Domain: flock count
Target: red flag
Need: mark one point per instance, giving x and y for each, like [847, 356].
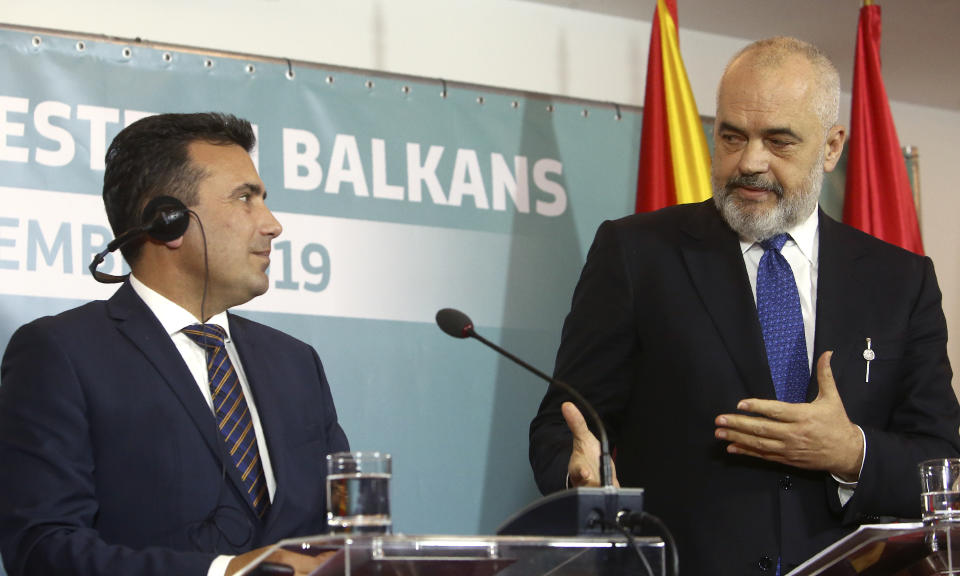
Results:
[878, 197]
[674, 158]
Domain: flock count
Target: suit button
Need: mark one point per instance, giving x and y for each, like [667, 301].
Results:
[765, 563]
[786, 483]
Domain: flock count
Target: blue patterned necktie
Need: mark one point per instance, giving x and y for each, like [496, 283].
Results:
[233, 416]
[778, 305]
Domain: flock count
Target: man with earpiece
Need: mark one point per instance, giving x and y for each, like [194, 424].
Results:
[156, 432]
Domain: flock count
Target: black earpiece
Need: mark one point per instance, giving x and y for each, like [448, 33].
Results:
[164, 218]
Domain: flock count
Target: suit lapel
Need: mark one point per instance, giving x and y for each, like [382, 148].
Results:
[138, 324]
[838, 304]
[711, 252]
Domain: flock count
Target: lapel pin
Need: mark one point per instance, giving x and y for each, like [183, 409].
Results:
[868, 355]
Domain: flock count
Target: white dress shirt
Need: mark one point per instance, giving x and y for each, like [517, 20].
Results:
[174, 319]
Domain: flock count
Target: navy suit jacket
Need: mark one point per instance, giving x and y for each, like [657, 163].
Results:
[111, 460]
[663, 336]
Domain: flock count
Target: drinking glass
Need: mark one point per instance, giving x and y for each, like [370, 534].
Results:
[940, 490]
[940, 509]
[358, 492]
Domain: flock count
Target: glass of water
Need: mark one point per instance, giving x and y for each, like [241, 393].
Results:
[940, 490]
[358, 492]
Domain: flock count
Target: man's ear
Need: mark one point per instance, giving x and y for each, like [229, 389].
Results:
[175, 243]
[833, 147]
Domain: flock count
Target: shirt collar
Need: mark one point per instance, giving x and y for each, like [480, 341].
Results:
[803, 234]
[171, 315]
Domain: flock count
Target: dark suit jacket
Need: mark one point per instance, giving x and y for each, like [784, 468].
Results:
[111, 461]
[663, 336]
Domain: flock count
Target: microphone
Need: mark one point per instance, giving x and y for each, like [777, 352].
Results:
[457, 324]
[575, 512]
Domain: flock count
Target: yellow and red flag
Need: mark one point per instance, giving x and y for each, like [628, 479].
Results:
[878, 197]
[674, 158]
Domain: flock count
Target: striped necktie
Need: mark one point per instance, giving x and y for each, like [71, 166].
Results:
[778, 306]
[233, 416]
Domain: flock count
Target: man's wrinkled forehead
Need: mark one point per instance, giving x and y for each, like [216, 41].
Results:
[789, 89]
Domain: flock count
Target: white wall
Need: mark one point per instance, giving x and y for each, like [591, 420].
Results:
[504, 43]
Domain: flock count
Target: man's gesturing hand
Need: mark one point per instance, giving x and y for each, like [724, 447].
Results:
[815, 436]
[584, 466]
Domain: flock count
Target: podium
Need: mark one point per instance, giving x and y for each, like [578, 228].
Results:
[402, 555]
[908, 549]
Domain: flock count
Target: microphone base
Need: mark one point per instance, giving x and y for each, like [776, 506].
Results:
[574, 512]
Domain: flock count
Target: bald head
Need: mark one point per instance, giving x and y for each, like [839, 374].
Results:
[774, 55]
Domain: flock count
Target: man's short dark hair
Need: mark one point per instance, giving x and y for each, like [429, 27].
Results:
[150, 158]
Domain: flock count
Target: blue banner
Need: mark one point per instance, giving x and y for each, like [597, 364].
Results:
[398, 196]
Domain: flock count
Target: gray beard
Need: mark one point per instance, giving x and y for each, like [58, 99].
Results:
[791, 209]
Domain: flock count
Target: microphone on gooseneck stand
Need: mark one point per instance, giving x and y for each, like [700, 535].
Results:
[571, 512]
[578, 511]
[457, 324]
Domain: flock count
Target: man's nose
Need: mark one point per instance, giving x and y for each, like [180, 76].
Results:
[755, 159]
[270, 226]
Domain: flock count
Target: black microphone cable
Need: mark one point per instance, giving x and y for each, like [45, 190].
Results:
[212, 517]
[628, 534]
[627, 523]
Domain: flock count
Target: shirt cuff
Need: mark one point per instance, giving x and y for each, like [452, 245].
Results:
[845, 489]
[219, 566]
